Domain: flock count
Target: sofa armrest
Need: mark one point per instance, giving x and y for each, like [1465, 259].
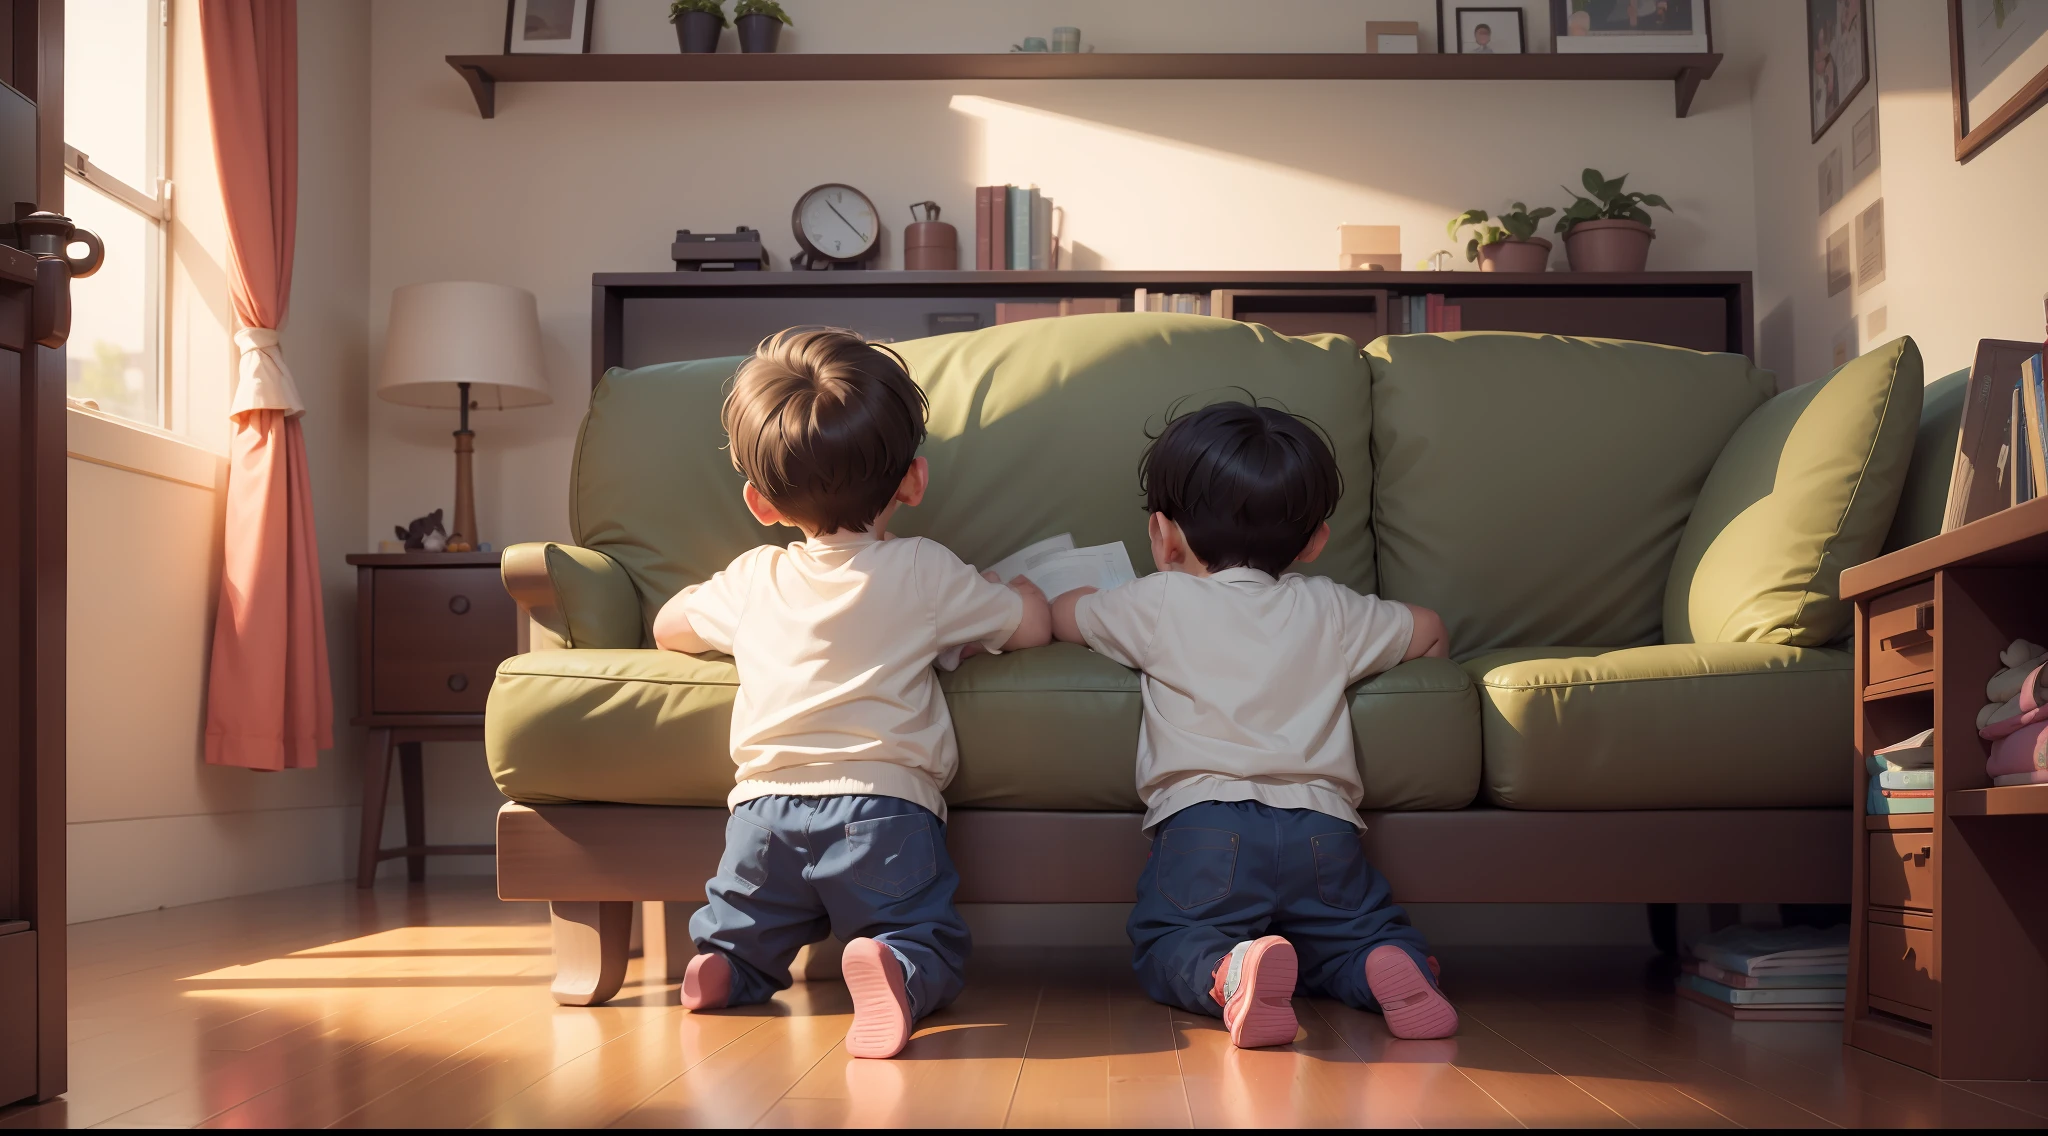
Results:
[580, 595]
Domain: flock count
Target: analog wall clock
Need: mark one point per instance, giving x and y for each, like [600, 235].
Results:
[836, 227]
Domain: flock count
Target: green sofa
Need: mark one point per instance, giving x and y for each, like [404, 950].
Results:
[1634, 547]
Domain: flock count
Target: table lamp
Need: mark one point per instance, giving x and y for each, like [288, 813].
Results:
[468, 345]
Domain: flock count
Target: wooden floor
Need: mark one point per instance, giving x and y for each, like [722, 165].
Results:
[429, 1007]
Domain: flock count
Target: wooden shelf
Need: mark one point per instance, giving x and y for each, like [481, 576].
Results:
[483, 73]
[1911, 684]
[2000, 800]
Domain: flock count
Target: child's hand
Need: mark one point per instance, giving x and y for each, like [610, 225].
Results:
[1035, 629]
[1064, 626]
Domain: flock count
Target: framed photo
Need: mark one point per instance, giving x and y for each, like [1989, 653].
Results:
[1863, 140]
[1870, 247]
[1393, 37]
[1839, 275]
[547, 27]
[1838, 57]
[1830, 179]
[1582, 27]
[1998, 67]
[1488, 31]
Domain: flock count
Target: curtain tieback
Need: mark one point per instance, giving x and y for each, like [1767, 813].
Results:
[266, 383]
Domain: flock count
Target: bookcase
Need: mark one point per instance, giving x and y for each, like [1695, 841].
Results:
[1948, 967]
[641, 318]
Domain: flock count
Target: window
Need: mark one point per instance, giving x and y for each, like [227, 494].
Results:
[114, 85]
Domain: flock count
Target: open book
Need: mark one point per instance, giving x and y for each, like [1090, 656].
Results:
[1057, 567]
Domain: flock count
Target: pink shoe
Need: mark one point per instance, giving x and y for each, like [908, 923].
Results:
[1255, 986]
[707, 982]
[881, 1006]
[1414, 1008]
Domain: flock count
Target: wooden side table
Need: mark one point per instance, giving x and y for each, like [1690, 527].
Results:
[1948, 947]
[431, 628]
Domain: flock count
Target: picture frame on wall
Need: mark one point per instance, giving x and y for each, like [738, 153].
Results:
[1595, 27]
[1998, 67]
[547, 27]
[1837, 58]
[1487, 31]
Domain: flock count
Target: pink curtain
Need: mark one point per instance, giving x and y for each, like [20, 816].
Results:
[269, 705]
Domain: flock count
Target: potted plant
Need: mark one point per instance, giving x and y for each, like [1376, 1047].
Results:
[698, 23]
[759, 23]
[1511, 246]
[1609, 231]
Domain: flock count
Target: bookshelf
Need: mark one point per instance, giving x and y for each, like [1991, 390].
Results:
[1948, 968]
[483, 73]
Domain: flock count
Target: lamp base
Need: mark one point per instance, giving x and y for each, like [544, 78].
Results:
[462, 537]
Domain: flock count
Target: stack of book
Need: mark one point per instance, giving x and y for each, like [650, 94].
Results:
[2026, 451]
[1013, 228]
[1429, 312]
[1186, 303]
[1795, 974]
[1902, 777]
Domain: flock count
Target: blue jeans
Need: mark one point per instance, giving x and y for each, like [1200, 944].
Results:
[796, 869]
[1222, 872]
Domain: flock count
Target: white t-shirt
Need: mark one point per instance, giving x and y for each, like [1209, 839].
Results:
[834, 638]
[1244, 684]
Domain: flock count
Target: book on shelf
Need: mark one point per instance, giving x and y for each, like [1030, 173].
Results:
[1041, 231]
[1998, 462]
[1020, 227]
[1875, 803]
[984, 195]
[1759, 951]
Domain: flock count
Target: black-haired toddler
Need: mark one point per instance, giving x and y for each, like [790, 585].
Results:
[1257, 878]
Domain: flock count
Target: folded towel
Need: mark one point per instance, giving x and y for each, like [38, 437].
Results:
[1906, 779]
[1998, 712]
[2023, 751]
[2037, 777]
[2019, 658]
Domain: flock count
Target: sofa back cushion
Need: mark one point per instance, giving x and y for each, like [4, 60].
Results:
[1036, 429]
[1806, 488]
[1532, 488]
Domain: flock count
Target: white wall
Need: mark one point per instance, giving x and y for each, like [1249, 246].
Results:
[151, 824]
[569, 180]
[1964, 260]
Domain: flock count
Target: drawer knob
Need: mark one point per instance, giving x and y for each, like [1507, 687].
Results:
[458, 682]
[459, 605]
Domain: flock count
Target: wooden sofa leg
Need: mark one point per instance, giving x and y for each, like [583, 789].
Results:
[591, 940]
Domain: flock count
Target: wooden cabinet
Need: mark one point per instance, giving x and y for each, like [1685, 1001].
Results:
[1948, 967]
[432, 628]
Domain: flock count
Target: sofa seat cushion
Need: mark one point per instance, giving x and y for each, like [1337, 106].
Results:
[1696, 725]
[1051, 728]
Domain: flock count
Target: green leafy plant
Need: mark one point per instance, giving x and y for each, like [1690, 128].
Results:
[1519, 222]
[708, 7]
[1610, 202]
[761, 8]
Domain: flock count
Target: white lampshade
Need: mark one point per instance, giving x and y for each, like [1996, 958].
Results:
[463, 331]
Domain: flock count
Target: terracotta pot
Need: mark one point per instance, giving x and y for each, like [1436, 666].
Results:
[1513, 254]
[697, 33]
[1609, 246]
[758, 33]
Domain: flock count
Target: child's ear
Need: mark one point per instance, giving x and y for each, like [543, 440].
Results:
[1166, 551]
[915, 480]
[764, 510]
[1316, 543]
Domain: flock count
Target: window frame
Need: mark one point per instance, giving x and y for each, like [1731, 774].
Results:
[154, 207]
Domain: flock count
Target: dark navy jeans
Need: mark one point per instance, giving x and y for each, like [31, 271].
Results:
[1222, 872]
[796, 869]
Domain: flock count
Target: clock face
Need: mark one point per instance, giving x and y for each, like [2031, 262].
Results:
[837, 221]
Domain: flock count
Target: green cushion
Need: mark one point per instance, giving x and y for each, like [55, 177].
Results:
[599, 607]
[1701, 725]
[1924, 500]
[1532, 489]
[1050, 728]
[1036, 429]
[1804, 489]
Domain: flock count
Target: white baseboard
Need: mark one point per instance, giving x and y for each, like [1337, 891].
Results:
[118, 867]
